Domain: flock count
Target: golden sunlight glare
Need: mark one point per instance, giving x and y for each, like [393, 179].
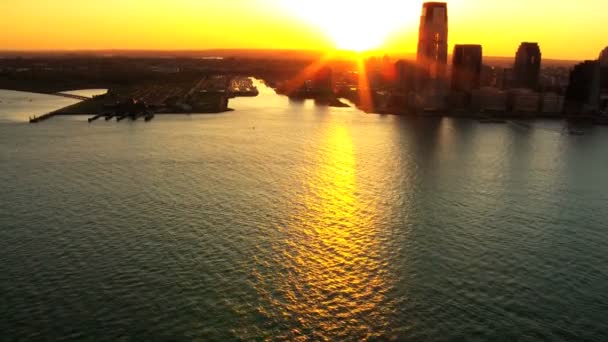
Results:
[356, 25]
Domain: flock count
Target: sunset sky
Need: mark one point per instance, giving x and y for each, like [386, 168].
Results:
[565, 29]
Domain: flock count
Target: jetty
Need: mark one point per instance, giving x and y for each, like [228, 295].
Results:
[136, 116]
[95, 117]
[37, 119]
[72, 96]
[43, 117]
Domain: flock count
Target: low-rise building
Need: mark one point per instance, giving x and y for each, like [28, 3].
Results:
[207, 102]
[552, 103]
[524, 101]
[489, 99]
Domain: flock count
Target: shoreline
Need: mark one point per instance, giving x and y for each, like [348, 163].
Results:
[95, 106]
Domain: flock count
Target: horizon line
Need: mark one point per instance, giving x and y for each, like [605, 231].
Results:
[373, 52]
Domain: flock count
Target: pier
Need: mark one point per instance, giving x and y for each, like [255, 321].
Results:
[136, 116]
[72, 96]
[95, 117]
[37, 119]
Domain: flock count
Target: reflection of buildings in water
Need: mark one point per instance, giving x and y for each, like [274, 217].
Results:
[333, 286]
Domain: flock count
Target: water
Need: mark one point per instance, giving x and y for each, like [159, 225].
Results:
[286, 221]
[18, 106]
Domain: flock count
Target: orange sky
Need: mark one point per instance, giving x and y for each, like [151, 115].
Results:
[565, 29]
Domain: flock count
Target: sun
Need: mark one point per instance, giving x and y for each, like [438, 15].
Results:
[356, 25]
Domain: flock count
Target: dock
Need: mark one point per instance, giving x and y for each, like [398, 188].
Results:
[37, 119]
[210, 94]
[95, 117]
[136, 116]
[72, 96]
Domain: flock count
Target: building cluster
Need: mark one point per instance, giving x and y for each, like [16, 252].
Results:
[431, 84]
[315, 85]
[425, 85]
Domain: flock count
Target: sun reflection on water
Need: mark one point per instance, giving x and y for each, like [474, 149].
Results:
[332, 284]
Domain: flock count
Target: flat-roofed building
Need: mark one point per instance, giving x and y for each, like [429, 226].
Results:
[584, 91]
[552, 103]
[466, 67]
[489, 99]
[522, 100]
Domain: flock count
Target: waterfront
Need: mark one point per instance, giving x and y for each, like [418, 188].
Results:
[287, 220]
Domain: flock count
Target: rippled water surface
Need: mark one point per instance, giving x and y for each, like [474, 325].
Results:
[283, 220]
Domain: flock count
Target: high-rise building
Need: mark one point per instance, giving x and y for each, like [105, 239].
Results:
[604, 57]
[583, 94]
[526, 71]
[432, 57]
[552, 103]
[466, 67]
[405, 76]
[603, 61]
[322, 82]
[433, 39]
[404, 87]
[488, 99]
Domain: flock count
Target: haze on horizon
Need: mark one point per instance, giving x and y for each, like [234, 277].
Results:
[564, 29]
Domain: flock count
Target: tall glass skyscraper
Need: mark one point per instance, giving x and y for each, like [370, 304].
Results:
[603, 61]
[433, 39]
[432, 57]
[604, 57]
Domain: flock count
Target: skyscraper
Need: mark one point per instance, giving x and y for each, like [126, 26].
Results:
[466, 67]
[526, 71]
[405, 76]
[583, 94]
[433, 39]
[603, 61]
[432, 57]
[604, 57]
[403, 95]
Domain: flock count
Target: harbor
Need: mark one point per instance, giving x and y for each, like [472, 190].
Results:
[208, 95]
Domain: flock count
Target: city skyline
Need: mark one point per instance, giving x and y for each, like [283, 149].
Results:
[388, 25]
[303, 170]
